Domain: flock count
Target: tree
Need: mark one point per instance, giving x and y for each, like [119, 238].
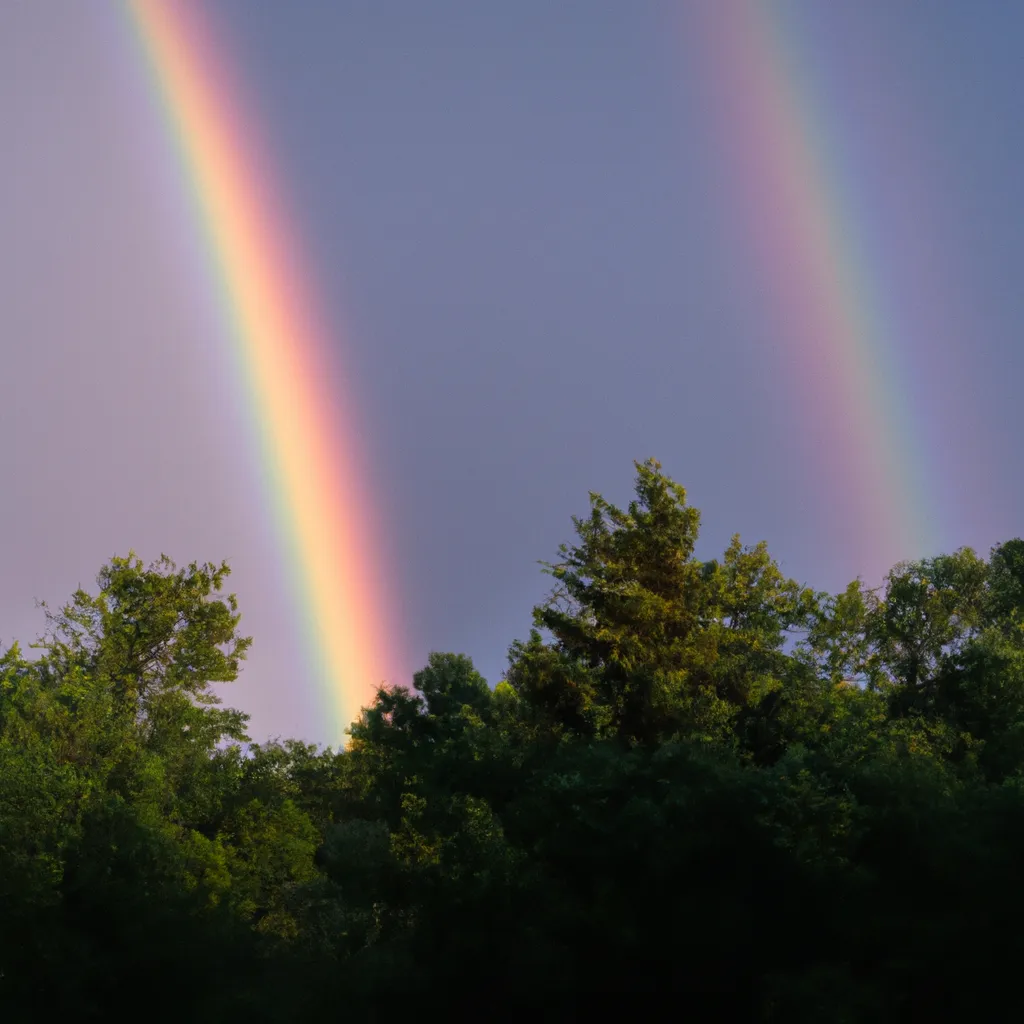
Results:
[149, 636]
[648, 641]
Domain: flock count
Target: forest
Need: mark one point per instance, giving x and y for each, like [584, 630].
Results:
[701, 787]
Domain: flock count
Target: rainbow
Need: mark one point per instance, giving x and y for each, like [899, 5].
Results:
[282, 348]
[807, 226]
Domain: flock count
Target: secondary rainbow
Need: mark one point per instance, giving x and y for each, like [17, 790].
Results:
[284, 351]
[804, 218]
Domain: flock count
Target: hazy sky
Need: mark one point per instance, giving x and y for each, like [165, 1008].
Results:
[520, 225]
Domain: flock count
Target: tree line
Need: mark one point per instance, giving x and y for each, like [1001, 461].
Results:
[700, 785]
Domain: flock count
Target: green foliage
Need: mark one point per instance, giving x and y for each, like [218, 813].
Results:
[698, 779]
[650, 643]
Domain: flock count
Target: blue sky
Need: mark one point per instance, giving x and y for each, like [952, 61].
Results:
[518, 221]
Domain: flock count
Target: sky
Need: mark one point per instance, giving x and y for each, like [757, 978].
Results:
[533, 228]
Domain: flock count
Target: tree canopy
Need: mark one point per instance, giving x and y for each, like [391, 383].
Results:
[697, 779]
